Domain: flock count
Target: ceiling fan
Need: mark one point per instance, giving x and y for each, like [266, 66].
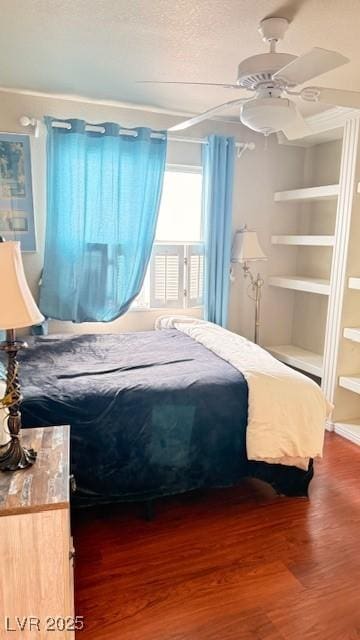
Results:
[271, 78]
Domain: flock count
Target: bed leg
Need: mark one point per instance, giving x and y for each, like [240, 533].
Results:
[149, 510]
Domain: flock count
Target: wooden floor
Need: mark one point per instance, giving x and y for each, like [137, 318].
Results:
[235, 564]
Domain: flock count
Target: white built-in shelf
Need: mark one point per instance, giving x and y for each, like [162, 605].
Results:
[354, 283]
[306, 241]
[300, 283]
[351, 383]
[349, 429]
[300, 358]
[352, 333]
[326, 192]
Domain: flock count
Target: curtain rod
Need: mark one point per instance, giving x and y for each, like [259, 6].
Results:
[239, 145]
[27, 121]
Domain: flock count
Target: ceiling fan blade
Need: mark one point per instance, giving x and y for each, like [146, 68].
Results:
[191, 84]
[337, 97]
[311, 64]
[207, 114]
[298, 128]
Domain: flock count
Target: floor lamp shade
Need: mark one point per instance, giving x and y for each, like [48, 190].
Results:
[18, 308]
[246, 247]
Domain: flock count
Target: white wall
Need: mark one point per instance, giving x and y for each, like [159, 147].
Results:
[272, 167]
[258, 174]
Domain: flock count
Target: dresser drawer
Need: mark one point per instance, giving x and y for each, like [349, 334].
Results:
[36, 572]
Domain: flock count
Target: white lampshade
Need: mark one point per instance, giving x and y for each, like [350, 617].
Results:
[246, 247]
[17, 306]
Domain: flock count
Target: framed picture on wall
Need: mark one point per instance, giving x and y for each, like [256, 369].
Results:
[16, 198]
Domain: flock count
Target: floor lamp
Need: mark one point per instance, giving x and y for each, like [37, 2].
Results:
[17, 310]
[246, 249]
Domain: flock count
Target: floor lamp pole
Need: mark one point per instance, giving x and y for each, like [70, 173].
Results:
[256, 286]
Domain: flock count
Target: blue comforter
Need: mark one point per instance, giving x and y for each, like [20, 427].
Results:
[151, 413]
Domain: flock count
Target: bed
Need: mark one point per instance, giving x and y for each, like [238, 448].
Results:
[152, 414]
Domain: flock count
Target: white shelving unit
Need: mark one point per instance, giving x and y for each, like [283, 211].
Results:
[352, 333]
[309, 231]
[300, 358]
[326, 192]
[304, 241]
[351, 383]
[300, 283]
[315, 233]
[354, 283]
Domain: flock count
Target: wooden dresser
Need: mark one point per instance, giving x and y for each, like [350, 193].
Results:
[36, 553]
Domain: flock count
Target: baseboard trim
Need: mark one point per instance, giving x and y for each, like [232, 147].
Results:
[350, 431]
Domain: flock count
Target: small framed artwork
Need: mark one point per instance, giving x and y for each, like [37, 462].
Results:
[16, 198]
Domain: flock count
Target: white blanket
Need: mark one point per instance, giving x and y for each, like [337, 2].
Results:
[287, 410]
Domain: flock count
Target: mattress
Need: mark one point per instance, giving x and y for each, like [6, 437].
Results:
[151, 414]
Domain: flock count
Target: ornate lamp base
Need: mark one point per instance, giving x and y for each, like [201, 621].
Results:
[13, 455]
[16, 456]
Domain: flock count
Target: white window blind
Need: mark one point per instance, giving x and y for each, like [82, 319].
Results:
[167, 276]
[175, 277]
[194, 275]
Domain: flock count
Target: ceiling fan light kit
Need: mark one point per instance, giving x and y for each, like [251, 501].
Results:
[270, 78]
[267, 115]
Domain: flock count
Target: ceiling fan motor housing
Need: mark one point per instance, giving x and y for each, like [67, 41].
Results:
[260, 68]
[267, 115]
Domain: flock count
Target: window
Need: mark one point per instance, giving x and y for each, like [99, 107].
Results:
[176, 272]
[180, 209]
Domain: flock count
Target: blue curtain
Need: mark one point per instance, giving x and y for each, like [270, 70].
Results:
[218, 178]
[103, 196]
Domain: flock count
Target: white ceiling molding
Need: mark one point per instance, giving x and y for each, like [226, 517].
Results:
[111, 103]
[325, 126]
[331, 118]
[87, 100]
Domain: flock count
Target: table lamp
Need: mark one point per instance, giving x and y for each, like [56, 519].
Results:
[17, 310]
[245, 249]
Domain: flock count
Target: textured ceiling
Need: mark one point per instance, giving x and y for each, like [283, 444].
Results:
[99, 48]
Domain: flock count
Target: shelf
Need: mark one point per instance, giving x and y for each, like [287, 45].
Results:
[306, 241]
[327, 192]
[299, 283]
[352, 333]
[351, 383]
[350, 429]
[300, 358]
[354, 283]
